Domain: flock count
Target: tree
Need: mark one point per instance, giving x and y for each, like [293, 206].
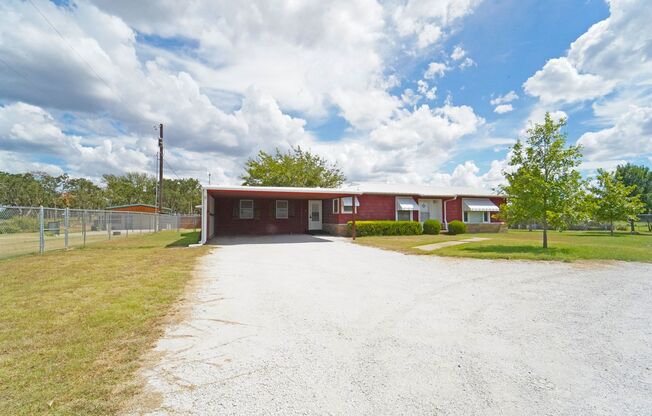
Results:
[641, 178]
[612, 199]
[294, 168]
[83, 193]
[130, 188]
[542, 182]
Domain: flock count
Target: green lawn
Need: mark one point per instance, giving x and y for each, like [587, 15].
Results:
[74, 325]
[565, 246]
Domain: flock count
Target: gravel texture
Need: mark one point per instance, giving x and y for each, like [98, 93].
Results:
[298, 325]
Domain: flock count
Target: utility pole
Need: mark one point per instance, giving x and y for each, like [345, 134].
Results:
[209, 179]
[160, 169]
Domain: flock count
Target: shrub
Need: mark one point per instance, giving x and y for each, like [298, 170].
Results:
[456, 227]
[367, 228]
[19, 224]
[431, 227]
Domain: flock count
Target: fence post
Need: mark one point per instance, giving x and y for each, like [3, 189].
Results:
[178, 223]
[83, 215]
[108, 223]
[127, 224]
[41, 220]
[66, 225]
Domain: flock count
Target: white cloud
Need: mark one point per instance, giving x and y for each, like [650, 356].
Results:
[503, 108]
[466, 175]
[426, 19]
[458, 53]
[559, 80]
[467, 62]
[629, 137]
[435, 69]
[423, 88]
[507, 98]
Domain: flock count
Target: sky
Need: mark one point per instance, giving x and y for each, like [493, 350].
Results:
[424, 92]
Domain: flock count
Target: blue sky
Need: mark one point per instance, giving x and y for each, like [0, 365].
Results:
[430, 91]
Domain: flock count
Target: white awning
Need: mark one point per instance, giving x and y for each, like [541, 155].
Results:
[479, 204]
[406, 204]
[346, 201]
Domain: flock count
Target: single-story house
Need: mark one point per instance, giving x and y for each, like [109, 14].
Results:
[234, 210]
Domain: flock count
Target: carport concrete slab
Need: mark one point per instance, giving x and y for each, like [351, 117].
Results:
[311, 325]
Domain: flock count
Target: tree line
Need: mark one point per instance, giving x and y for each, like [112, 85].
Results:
[62, 191]
[545, 187]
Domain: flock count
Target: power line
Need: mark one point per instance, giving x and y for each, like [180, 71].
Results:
[69, 45]
[15, 71]
[165, 162]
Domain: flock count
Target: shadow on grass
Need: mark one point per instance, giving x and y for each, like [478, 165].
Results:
[186, 239]
[499, 249]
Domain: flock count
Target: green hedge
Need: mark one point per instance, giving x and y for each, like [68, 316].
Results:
[431, 227]
[456, 227]
[19, 224]
[367, 228]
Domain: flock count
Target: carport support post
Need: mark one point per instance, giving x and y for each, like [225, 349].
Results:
[66, 223]
[41, 230]
[353, 217]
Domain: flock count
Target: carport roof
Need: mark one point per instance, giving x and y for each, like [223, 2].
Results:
[279, 192]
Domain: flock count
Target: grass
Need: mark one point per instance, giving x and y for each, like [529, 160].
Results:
[565, 246]
[75, 325]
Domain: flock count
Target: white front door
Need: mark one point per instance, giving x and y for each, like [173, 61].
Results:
[314, 215]
[429, 209]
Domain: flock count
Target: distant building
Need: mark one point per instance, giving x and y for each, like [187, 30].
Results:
[152, 209]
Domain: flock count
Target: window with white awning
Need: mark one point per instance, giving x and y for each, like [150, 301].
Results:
[478, 210]
[480, 204]
[347, 204]
[404, 208]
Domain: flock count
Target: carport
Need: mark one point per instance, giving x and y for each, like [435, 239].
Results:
[258, 210]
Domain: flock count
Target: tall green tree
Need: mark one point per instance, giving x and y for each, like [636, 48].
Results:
[543, 184]
[182, 195]
[296, 168]
[613, 200]
[84, 194]
[130, 188]
[641, 178]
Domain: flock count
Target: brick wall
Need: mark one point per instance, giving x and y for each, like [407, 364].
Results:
[264, 221]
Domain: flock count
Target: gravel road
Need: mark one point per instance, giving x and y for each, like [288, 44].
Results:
[298, 325]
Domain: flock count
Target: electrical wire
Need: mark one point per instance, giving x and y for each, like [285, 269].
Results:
[69, 45]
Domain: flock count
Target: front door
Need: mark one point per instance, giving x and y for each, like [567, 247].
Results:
[314, 215]
[429, 209]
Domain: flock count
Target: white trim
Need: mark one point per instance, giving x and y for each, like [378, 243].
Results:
[466, 214]
[350, 200]
[333, 209]
[278, 210]
[240, 216]
[204, 216]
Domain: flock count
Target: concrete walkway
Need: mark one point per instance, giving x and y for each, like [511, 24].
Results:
[302, 325]
[437, 246]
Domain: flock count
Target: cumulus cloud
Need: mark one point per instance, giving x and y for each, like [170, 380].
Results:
[559, 80]
[503, 108]
[502, 99]
[458, 53]
[435, 69]
[467, 175]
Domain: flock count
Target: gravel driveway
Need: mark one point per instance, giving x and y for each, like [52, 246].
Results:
[307, 325]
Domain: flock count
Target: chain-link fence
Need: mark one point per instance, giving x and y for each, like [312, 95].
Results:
[25, 230]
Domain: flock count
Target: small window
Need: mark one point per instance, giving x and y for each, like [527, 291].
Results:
[485, 217]
[281, 209]
[336, 206]
[347, 205]
[403, 215]
[246, 209]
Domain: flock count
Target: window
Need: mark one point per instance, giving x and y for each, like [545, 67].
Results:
[281, 209]
[336, 206]
[246, 209]
[476, 217]
[347, 205]
[402, 215]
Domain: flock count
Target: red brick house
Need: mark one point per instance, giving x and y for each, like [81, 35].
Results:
[233, 210]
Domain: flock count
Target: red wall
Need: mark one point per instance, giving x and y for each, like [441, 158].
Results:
[372, 207]
[264, 221]
[454, 208]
